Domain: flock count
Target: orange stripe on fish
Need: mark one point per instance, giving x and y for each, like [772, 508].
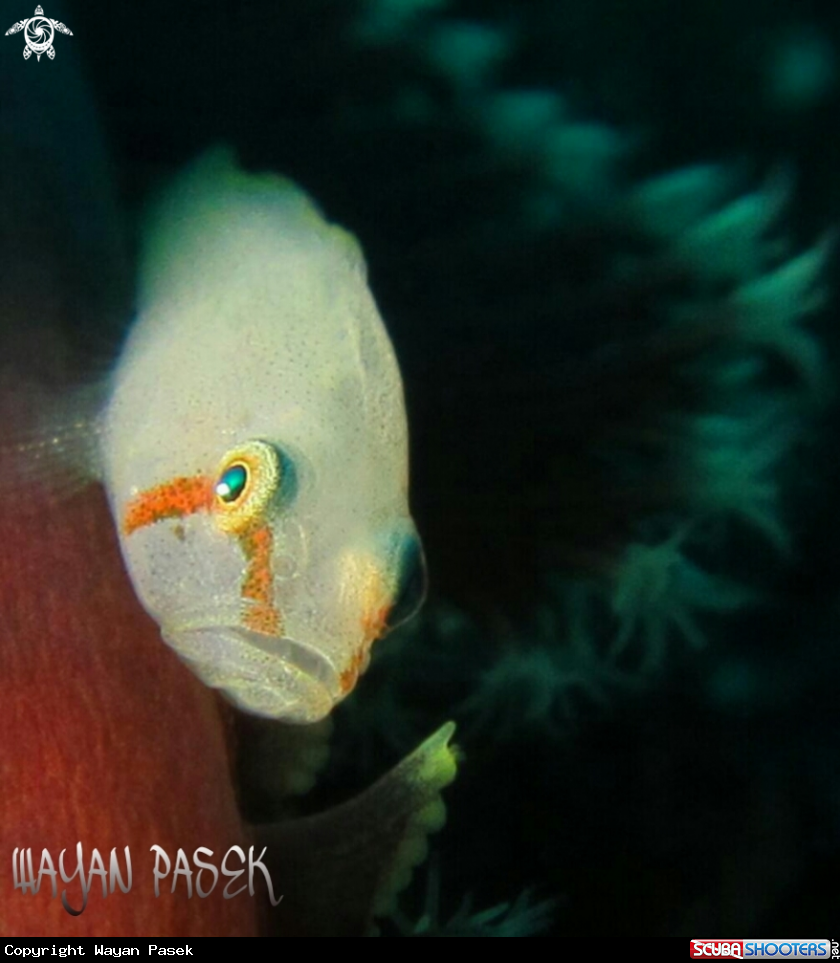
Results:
[185, 496]
[369, 584]
[258, 584]
[173, 499]
[350, 676]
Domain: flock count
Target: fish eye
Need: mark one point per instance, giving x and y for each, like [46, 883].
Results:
[247, 480]
[232, 483]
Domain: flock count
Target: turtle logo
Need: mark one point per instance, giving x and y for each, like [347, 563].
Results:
[38, 33]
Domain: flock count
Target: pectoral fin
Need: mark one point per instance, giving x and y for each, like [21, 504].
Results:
[339, 869]
[49, 441]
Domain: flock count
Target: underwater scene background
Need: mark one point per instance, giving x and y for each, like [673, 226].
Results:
[600, 235]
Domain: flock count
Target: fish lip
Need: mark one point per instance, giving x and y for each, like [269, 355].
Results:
[274, 676]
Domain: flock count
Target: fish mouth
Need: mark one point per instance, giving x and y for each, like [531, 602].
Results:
[273, 676]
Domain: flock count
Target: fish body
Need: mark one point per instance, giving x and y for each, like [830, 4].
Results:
[254, 445]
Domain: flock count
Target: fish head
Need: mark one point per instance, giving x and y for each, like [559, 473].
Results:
[255, 451]
[271, 588]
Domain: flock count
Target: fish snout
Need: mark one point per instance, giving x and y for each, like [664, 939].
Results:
[274, 676]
